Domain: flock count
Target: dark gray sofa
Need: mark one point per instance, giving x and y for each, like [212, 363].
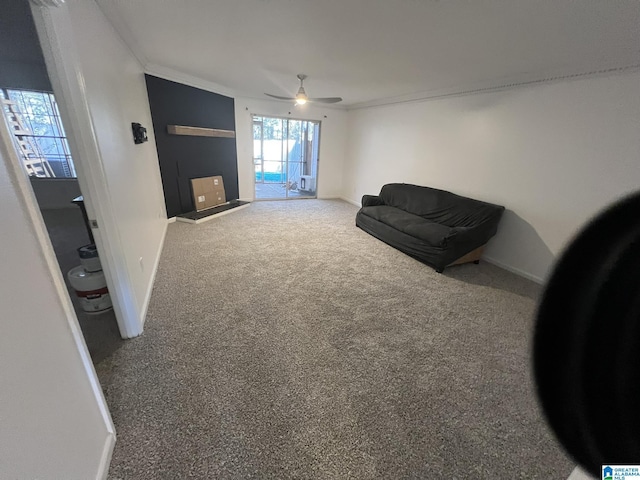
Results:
[434, 226]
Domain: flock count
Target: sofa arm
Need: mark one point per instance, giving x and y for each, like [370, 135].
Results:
[371, 200]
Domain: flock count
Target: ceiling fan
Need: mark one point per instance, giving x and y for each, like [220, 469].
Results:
[301, 97]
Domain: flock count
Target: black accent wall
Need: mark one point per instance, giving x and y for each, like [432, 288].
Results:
[184, 157]
[21, 62]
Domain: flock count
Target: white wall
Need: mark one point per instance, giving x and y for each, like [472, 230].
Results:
[332, 141]
[553, 154]
[117, 96]
[53, 418]
[55, 192]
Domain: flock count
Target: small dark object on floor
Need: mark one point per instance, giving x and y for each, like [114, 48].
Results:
[477, 262]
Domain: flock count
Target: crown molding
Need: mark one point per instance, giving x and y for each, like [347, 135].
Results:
[176, 76]
[47, 3]
[173, 75]
[496, 85]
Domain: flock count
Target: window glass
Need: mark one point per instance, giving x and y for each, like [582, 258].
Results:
[38, 133]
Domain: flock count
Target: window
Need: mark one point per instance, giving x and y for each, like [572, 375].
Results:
[35, 121]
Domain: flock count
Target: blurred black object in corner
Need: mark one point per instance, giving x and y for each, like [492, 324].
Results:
[587, 341]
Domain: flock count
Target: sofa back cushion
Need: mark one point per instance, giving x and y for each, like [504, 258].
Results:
[440, 206]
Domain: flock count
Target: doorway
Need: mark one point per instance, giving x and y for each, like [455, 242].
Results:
[41, 146]
[285, 157]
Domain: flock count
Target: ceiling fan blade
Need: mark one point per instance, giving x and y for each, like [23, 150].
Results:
[279, 97]
[326, 100]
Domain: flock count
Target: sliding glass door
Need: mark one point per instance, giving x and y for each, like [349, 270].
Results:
[285, 157]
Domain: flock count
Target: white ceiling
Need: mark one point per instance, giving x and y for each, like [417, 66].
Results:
[373, 50]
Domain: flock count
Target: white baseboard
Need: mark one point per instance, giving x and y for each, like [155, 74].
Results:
[517, 271]
[352, 202]
[105, 459]
[156, 262]
[171, 220]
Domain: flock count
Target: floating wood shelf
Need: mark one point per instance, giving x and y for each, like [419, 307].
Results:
[200, 131]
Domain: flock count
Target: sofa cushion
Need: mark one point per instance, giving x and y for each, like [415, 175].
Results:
[439, 206]
[432, 233]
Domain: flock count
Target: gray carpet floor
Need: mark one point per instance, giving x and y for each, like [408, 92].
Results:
[283, 342]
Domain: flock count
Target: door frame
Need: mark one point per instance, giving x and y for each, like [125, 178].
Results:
[55, 32]
[253, 172]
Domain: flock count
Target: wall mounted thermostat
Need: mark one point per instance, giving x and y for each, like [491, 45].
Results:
[139, 133]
